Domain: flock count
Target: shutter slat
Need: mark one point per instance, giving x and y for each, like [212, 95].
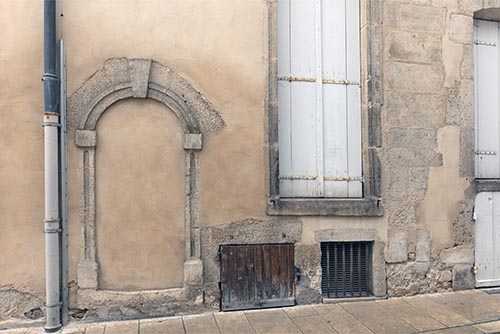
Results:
[487, 103]
[303, 98]
[353, 98]
[335, 97]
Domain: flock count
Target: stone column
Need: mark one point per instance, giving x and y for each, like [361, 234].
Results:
[193, 267]
[86, 141]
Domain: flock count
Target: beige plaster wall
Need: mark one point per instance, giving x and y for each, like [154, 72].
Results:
[139, 197]
[219, 47]
[21, 149]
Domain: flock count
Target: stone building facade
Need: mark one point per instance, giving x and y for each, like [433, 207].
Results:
[172, 117]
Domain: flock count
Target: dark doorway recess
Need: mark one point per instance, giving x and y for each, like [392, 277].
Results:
[256, 276]
[346, 269]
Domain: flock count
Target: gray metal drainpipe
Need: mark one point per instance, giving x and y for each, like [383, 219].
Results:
[52, 224]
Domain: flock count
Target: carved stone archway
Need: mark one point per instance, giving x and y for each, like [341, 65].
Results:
[118, 79]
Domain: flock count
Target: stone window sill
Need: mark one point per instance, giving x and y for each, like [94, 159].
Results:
[358, 207]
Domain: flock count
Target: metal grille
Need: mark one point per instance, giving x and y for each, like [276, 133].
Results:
[256, 276]
[346, 269]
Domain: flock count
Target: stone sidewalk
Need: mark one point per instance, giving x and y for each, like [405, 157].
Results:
[457, 312]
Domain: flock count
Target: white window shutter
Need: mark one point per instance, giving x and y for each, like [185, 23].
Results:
[487, 99]
[319, 114]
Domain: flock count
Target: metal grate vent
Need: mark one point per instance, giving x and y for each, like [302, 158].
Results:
[346, 268]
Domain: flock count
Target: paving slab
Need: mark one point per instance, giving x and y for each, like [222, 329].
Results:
[341, 320]
[437, 311]
[482, 298]
[411, 315]
[457, 330]
[313, 324]
[74, 329]
[271, 321]
[489, 327]
[233, 323]
[300, 311]
[95, 329]
[466, 307]
[162, 326]
[377, 319]
[13, 331]
[200, 324]
[129, 327]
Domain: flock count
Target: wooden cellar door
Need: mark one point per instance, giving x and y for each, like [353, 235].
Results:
[256, 276]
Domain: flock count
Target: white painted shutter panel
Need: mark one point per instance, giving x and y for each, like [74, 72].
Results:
[487, 99]
[319, 119]
[342, 103]
[297, 99]
[487, 243]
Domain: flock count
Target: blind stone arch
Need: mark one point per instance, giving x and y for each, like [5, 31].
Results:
[118, 79]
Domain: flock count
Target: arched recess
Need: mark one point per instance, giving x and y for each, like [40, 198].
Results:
[118, 79]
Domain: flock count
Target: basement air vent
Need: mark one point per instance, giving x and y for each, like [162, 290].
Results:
[346, 269]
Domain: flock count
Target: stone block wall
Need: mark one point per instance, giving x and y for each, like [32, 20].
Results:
[428, 164]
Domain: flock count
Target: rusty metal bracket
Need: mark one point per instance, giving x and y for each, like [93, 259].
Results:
[485, 152]
[484, 43]
[298, 177]
[325, 81]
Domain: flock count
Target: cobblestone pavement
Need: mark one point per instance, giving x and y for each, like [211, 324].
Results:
[457, 312]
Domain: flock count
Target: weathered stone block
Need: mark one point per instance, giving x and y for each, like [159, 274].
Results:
[415, 77]
[87, 275]
[307, 259]
[415, 157]
[423, 18]
[415, 110]
[417, 183]
[398, 137]
[461, 28]
[85, 138]
[423, 246]
[379, 274]
[467, 156]
[444, 276]
[139, 75]
[398, 182]
[461, 104]
[457, 255]
[346, 235]
[193, 141]
[193, 272]
[117, 71]
[397, 250]
[413, 46]
[463, 277]
[467, 67]
[463, 227]
[401, 214]
[391, 14]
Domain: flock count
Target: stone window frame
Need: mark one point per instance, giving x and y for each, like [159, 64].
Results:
[119, 79]
[372, 100]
